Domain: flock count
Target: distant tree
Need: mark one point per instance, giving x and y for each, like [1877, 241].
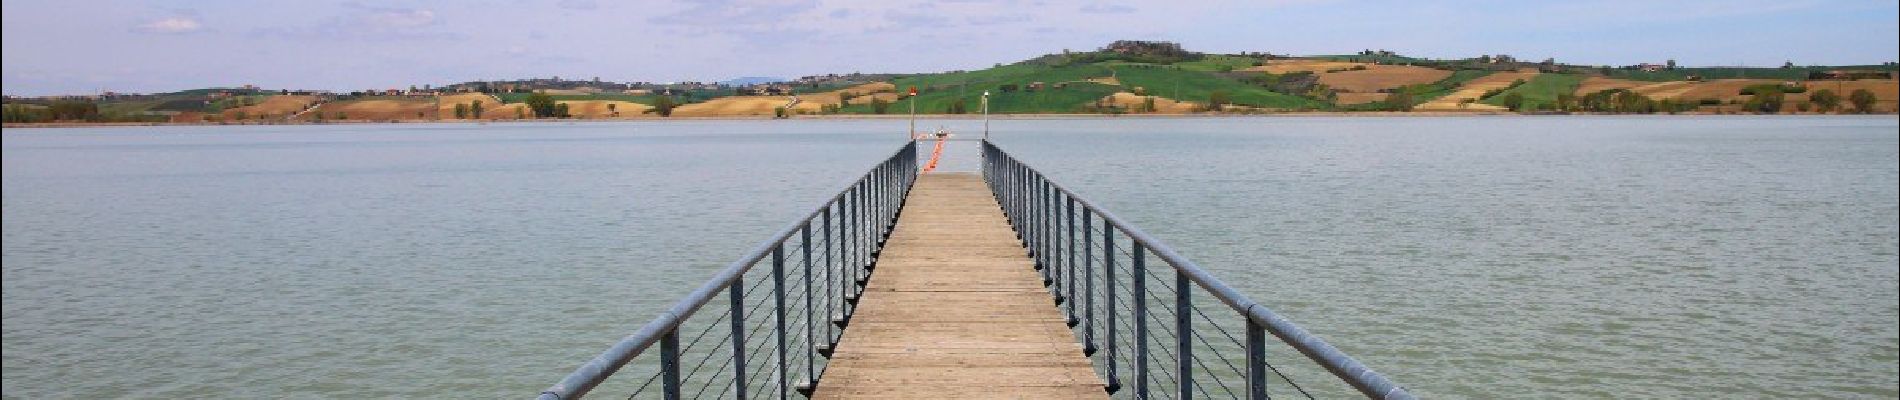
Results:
[1626, 101]
[960, 106]
[1217, 100]
[72, 110]
[541, 104]
[560, 111]
[1399, 101]
[1466, 102]
[663, 106]
[1787, 65]
[461, 111]
[1766, 100]
[779, 112]
[521, 113]
[1863, 100]
[475, 109]
[1671, 64]
[880, 106]
[1148, 104]
[1513, 101]
[1825, 100]
[844, 98]
[613, 109]
[21, 113]
[240, 115]
[1804, 107]
[1566, 101]
[1138, 91]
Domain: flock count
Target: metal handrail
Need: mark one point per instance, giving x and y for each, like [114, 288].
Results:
[879, 194]
[1034, 205]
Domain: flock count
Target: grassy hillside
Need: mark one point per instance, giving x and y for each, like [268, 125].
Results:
[1189, 81]
[1429, 92]
[1197, 86]
[1790, 74]
[1218, 63]
[1542, 89]
[523, 97]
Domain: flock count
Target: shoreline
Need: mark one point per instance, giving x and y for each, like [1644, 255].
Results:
[843, 117]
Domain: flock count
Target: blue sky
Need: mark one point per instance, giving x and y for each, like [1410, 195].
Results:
[60, 47]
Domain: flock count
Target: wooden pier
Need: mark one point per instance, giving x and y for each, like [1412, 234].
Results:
[956, 310]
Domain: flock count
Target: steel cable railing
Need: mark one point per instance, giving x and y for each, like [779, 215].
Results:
[1151, 321]
[780, 322]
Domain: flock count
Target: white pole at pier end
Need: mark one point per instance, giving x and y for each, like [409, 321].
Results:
[986, 115]
[913, 113]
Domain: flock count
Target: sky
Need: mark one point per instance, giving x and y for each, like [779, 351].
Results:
[89, 46]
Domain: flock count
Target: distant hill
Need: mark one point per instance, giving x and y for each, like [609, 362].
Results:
[751, 80]
[1124, 77]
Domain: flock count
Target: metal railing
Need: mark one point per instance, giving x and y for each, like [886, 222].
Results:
[1142, 326]
[817, 268]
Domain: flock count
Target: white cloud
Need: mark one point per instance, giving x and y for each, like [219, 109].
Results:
[172, 25]
[584, 5]
[398, 18]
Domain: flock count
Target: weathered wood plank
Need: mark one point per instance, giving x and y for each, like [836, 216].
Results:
[956, 310]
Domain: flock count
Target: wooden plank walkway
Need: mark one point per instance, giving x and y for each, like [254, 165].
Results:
[955, 310]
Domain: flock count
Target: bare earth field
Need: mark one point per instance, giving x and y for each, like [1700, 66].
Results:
[764, 105]
[1376, 77]
[1130, 101]
[598, 109]
[272, 107]
[1360, 98]
[1285, 66]
[507, 111]
[385, 108]
[1474, 89]
[445, 105]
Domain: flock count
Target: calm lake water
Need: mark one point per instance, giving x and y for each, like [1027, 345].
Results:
[1464, 257]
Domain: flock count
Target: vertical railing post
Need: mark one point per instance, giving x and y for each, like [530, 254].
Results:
[866, 239]
[1139, 273]
[1016, 204]
[1042, 229]
[857, 242]
[670, 365]
[1053, 237]
[737, 298]
[847, 251]
[1183, 336]
[1069, 252]
[830, 296]
[811, 331]
[778, 317]
[1108, 281]
[1088, 284]
[1256, 360]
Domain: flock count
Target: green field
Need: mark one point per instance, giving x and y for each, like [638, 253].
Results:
[1542, 89]
[647, 99]
[1435, 90]
[1792, 74]
[1376, 58]
[1218, 63]
[1197, 86]
[1179, 82]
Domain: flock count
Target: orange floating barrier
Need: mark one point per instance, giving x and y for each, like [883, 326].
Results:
[936, 154]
